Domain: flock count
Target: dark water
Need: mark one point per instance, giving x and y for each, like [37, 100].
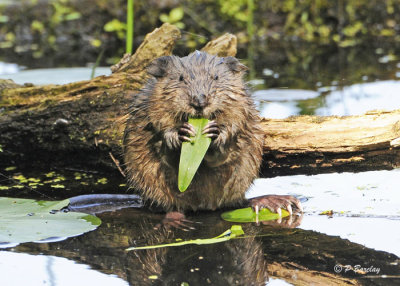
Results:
[326, 80]
[264, 252]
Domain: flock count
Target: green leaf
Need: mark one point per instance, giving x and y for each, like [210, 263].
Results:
[248, 215]
[180, 25]
[114, 25]
[164, 18]
[23, 220]
[3, 19]
[176, 15]
[37, 26]
[233, 232]
[192, 153]
[73, 16]
[11, 168]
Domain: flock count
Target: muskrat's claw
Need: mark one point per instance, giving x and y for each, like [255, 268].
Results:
[186, 131]
[176, 220]
[291, 221]
[211, 130]
[275, 203]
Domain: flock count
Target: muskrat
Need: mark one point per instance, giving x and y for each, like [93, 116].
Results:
[198, 85]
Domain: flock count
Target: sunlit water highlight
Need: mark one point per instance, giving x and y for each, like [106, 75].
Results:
[366, 205]
[50, 270]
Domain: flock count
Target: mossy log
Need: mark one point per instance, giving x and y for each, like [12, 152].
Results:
[81, 123]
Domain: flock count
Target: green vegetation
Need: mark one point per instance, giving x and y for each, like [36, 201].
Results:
[248, 215]
[192, 153]
[234, 232]
[96, 64]
[55, 27]
[16, 182]
[116, 26]
[129, 28]
[174, 17]
[23, 220]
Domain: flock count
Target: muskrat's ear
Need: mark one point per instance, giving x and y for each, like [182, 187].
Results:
[159, 66]
[234, 64]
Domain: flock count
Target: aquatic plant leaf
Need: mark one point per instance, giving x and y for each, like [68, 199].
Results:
[24, 220]
[192, 153]
[248, 215]
[233, 232]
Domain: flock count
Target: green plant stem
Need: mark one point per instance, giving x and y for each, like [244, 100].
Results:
[129, 27]
[96, 64]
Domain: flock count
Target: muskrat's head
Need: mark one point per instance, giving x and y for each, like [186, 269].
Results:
[199, 85]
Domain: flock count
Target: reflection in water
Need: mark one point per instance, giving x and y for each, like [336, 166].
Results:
[34, 270]
[237, 262]
[328, 70]
[7, 68]
[281, 103]
[360, 98]
[284, 94]
[349, 100]
[54, 76]
[278, 109]
[366, 204]
[294, 255]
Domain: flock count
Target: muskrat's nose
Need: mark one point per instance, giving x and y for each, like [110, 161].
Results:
[199, 101]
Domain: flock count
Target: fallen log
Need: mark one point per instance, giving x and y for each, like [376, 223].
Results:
[313, 144]
[81, 123]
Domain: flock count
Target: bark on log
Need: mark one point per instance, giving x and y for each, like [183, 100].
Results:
[312, 144]
[81, 124]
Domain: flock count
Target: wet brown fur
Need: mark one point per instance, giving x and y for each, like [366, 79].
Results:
[152, 147]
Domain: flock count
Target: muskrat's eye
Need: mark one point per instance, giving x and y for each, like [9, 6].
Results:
[216, 77]
[181, 77]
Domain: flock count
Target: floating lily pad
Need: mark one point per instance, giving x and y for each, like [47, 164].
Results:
[248, 215]
[192, 153]
[24, 220]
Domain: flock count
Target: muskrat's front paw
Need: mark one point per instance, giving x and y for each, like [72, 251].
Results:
[172, 140]
[185, 132]
[175, 220]
[211, 130]
[275, 203]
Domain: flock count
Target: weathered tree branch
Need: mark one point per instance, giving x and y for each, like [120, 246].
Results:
[80, 123]
[312, 144]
